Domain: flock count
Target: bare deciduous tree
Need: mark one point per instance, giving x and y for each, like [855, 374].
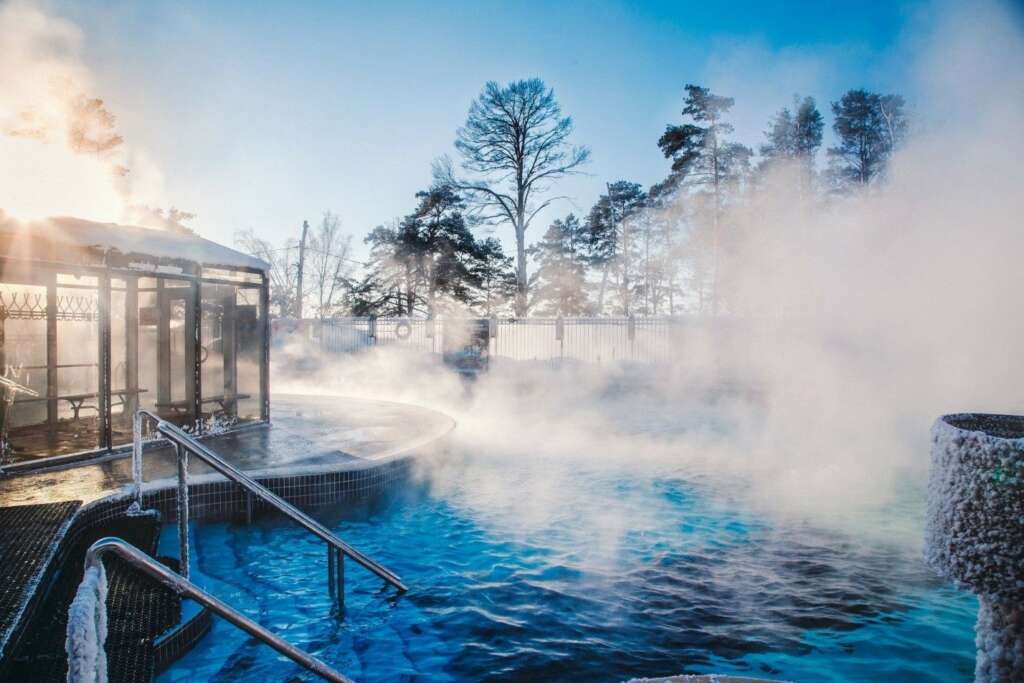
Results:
[515, 143]
[283, 269]
[329, 264]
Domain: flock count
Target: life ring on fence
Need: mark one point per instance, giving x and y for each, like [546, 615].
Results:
[403, 330]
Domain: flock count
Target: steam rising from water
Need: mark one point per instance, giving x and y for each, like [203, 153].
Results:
[56, 151]
[859, 321]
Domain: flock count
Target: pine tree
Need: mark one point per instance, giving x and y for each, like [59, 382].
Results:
[702, 155]
[436, 239]
[870, 127]
[389, 285]
[496, 278]
[559, 285]
[612, 241]
[794, 136]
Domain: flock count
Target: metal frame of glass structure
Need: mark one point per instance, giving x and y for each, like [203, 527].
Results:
[93, 326]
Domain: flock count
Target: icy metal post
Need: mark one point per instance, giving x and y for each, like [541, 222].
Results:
[975, 530]
[137, 456]
[182, 508]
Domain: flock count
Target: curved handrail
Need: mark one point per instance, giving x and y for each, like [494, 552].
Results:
[182, 586]
[193, 445]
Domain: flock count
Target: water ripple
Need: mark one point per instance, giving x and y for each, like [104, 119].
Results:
[618, 576]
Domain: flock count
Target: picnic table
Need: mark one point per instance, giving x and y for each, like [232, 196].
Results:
[183, 405]
[78, 401]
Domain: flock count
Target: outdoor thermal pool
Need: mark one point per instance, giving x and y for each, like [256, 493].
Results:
[625, 572]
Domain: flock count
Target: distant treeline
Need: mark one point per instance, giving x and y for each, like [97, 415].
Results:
[654, 251]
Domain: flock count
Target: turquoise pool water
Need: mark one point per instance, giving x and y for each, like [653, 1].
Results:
[526, 570]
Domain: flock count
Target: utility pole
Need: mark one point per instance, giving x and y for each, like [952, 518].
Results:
[302, 265]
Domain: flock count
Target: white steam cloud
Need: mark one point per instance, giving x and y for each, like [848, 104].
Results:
[60, 153]
[860, 321]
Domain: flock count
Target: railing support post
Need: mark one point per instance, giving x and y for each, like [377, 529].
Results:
[330, 571]
[340, 576]
[182, 508]
[137, 456]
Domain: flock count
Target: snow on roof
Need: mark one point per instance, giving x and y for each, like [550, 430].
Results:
[129, 240]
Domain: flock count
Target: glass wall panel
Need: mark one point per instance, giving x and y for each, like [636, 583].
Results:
[124, 363]
[230, 354]
[217, 355]
[249, 339]
[51, 365]
[164, 353]
[23, 407]
[49, 359]
[78, 354]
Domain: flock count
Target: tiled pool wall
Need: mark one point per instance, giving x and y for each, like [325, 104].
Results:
[214, 500]
[226, 500]
[220, 500]
[179, 641]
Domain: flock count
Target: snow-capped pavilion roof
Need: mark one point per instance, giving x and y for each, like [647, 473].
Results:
[129, 241]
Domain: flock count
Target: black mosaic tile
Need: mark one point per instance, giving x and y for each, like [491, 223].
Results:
[30, 536]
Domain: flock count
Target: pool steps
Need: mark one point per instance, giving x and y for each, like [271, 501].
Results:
[141, 562]
[138, 611]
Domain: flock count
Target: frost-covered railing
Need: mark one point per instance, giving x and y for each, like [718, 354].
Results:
[185, 444]
[86, 635]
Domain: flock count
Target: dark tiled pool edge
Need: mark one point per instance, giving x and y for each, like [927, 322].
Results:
[225, 500]
[176, 643]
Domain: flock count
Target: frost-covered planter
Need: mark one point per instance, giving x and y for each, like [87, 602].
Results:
[975, 529]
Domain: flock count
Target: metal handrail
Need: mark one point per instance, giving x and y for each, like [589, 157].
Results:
[183, 587]
[187, 443]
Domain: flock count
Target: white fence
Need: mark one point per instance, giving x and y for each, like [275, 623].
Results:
[594, 340]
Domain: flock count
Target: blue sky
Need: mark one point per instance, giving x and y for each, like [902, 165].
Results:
[261, 114]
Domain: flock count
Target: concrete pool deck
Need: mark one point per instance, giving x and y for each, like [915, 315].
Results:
[308, 434]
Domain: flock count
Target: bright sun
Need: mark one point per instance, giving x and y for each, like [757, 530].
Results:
[40, 180]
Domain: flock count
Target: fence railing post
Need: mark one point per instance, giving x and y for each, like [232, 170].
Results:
[560, 336]
[596, 339]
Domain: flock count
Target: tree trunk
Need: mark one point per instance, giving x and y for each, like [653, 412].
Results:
[521, 281]
[302, 266]
[432, 291]
[600, 293]
[714, 232]
[410, 295]
[624, 258]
